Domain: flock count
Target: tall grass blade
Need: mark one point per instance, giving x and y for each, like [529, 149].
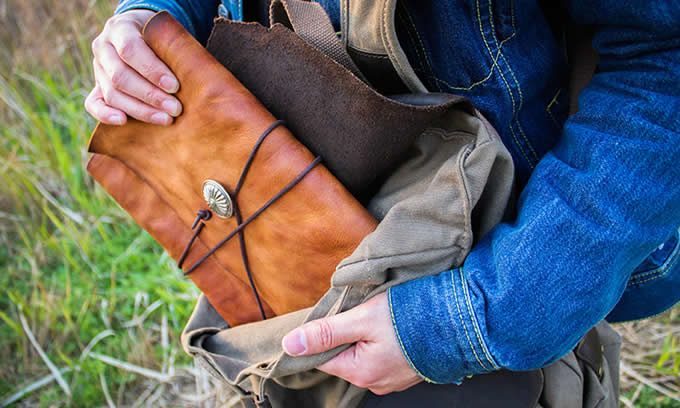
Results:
[32, 387]
[53, 369]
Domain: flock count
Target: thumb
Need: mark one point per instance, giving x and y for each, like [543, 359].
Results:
[325, 334]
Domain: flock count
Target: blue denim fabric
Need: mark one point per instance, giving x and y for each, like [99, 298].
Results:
[195, 16]
[602, 189]
[596, 204]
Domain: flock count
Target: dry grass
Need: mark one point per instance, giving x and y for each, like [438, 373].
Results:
[91, 309]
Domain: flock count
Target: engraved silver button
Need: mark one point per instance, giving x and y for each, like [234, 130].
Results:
[217, 199]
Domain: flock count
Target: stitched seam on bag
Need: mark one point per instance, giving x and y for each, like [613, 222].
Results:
[368, 54]
[404, 254]
[570, 367]
[512, 98]
[422, 45]
[385, 34]
[665, 270]
[473, 318]
[421, 57]
[460, 315]
[401, 344]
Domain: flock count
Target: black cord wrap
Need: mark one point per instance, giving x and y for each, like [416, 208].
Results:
[205, 215]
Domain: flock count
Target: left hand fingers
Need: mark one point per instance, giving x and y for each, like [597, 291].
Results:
[375, 362]
[325, 334]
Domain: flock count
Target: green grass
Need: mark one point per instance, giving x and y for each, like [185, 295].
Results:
[72, 263]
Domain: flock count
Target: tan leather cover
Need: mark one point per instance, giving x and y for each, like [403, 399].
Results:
[155, 173]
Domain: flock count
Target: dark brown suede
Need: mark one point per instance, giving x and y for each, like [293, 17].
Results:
[361, 134]
[156, 174]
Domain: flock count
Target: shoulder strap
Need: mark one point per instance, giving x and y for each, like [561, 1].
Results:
[310, 21]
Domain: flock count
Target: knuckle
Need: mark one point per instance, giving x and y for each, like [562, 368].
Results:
[118, 79]
[108, 94]
[153, 98]
[127, 50]
[147, 70]
[150, 97]
[113, 22]
[325, 333]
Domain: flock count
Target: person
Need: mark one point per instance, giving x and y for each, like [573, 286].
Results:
[595, 234]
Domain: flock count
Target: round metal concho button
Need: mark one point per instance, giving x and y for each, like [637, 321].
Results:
[217, 199]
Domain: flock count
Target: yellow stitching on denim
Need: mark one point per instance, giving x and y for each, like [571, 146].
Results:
[401, 344]
[474, 320]
[670, 263]
[553, 102]
[460, 315]
[515, 113]
[512, 13]
[486, 44]
[519, 126]
[500, 72]
[662, 267]
[666, 270]
[481, 81]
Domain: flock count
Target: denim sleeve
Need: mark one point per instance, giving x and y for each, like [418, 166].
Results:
[195, 16]
[596, 205]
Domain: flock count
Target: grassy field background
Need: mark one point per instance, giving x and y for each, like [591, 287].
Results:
[90, 307]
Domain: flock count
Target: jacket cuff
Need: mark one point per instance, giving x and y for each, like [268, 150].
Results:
[437, 329]
[158, 5]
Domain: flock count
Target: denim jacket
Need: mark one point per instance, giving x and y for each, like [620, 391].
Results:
[595, 234]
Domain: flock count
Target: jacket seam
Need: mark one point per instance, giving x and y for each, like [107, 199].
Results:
[475, 325]
[500, 73]
[667, 268]
[401, 343]
[514, 78]
[460, 315]
[666, 264]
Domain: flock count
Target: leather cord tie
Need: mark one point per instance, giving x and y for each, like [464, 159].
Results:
[204, 215]
[240, 224]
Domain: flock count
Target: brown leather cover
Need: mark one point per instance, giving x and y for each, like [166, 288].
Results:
[156, 173]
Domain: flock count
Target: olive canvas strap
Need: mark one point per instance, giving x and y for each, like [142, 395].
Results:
[310, 21]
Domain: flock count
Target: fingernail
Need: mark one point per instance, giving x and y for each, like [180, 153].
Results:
[161, 118]
[169, 84]
[172, 107]
[295, 343]
[116, 119]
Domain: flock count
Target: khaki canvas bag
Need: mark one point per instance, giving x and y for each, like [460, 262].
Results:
[451, 189]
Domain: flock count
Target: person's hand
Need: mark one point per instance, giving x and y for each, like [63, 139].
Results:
[374, 362]
[129, 78]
